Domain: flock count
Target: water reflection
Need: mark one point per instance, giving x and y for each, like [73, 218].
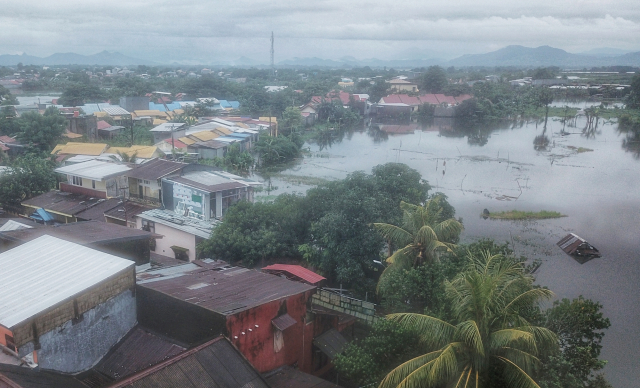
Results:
[631, 141]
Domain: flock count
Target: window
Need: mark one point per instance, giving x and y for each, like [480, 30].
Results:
[93, 184]
[146, 182]
[76, 180]
[149, 226]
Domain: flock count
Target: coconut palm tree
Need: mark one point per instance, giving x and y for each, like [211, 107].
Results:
[490, 340]
[422, 236]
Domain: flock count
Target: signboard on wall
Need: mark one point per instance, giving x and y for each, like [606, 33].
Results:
[189, 197]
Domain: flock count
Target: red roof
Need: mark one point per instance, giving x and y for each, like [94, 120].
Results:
[7, 139]
[3, 147]
[429, 99]
[296, 271]
[176, 143]
[103, 124]
[401, 99]
[463, 97]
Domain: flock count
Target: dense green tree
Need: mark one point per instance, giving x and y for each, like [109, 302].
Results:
[42, 131]
[580, 326]
[489, 342]
[253, 232]
[9, 122]
[237, 160]
[29, 175]
[378, 90]
[6, 98]
[633, 99]
[77, 94]
[434, 80]
[276, 150]
[291, 121]
[367, 361]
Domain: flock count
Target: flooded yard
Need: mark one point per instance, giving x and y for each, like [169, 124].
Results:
[590, 177]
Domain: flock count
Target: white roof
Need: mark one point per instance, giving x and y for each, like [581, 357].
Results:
[13, 225]
[115, 110]
[168, 127]
[176, 221]
[47, 271]
[94, 169]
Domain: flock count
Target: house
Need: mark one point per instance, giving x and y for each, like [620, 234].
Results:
[403, 85]
[264, 316]
[65, 207]
[96, 178]
[216, 363]
[180, 234]
[205, 195]
[75, 148]
[168, 131]
[108, 131]
[63, 305]
[144, 180]
[209, 149]
[13, 376]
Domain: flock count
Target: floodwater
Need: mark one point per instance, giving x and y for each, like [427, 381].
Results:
[502, 169]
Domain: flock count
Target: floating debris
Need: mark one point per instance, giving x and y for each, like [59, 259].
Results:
[579, 248]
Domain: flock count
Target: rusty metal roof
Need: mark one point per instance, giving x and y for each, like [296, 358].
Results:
[96, 212]
[20, 377]
[575, 245]
[138, 350]
[86, 232]
[63, 202]
[223, 289]
[288, 377]
[130, 208]
[216, 363]
[296, 272]
[155, 169]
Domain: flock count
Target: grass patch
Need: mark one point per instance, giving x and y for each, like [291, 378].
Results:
[520, 215]
[301, 179]
[580, 149]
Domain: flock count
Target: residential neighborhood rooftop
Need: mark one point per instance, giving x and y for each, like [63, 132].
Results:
[44, 272]
[223, 288]
[186, 224]
[94, 169]
[63, 202]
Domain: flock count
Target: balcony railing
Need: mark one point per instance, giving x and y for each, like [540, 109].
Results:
[145, 198]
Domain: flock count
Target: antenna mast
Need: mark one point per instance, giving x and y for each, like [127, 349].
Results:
[273, 66]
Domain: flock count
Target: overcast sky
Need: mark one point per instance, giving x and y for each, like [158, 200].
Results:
[205, 30]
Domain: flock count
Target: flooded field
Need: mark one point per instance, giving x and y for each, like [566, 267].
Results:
[590, 177]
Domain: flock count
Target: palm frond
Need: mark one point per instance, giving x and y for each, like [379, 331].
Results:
[526, 361]
[527, 298]
[509, 337]
[515, 376]
[397, 375]
[434, 332]
[433, 373]
[469, 333]
[395, 234]
[448, 229]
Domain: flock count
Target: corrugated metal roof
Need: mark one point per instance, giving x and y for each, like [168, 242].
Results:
[73, 148]
[168, 127]
[138, 350]
[228, 290]
[205, 135]
[196, 227]
[94, 169]
[131, 209]
[155, 169]
[575, 245]
[62, 202]
[141, 152]
[13, 225]
[216, 363]
[213, 144]
[208, 180]
[296, 271]
[19, 376]
[331, 343]
[283, 322]
[187, 140]
[115, 110]
[44, 272]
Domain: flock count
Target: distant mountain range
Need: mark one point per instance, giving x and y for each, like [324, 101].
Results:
[104, 58]
[546, 56]
[517, 56]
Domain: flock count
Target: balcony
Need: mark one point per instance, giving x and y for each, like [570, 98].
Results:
[144, 198]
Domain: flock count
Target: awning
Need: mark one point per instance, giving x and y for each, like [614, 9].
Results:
[283, 322]
[331, 343]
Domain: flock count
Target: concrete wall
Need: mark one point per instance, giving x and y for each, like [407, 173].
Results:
[72, 348]
[172, 237]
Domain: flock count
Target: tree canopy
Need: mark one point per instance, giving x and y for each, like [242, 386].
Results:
[41, 131]
[434, 80]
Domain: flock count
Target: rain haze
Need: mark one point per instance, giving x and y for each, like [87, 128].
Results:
[207, 31]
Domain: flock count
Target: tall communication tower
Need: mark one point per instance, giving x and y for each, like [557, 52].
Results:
[273, 66]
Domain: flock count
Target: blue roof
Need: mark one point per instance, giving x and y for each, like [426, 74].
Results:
[42, 215]
[240, 135]
[225, 104]
[173, 106]
[235, 104]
